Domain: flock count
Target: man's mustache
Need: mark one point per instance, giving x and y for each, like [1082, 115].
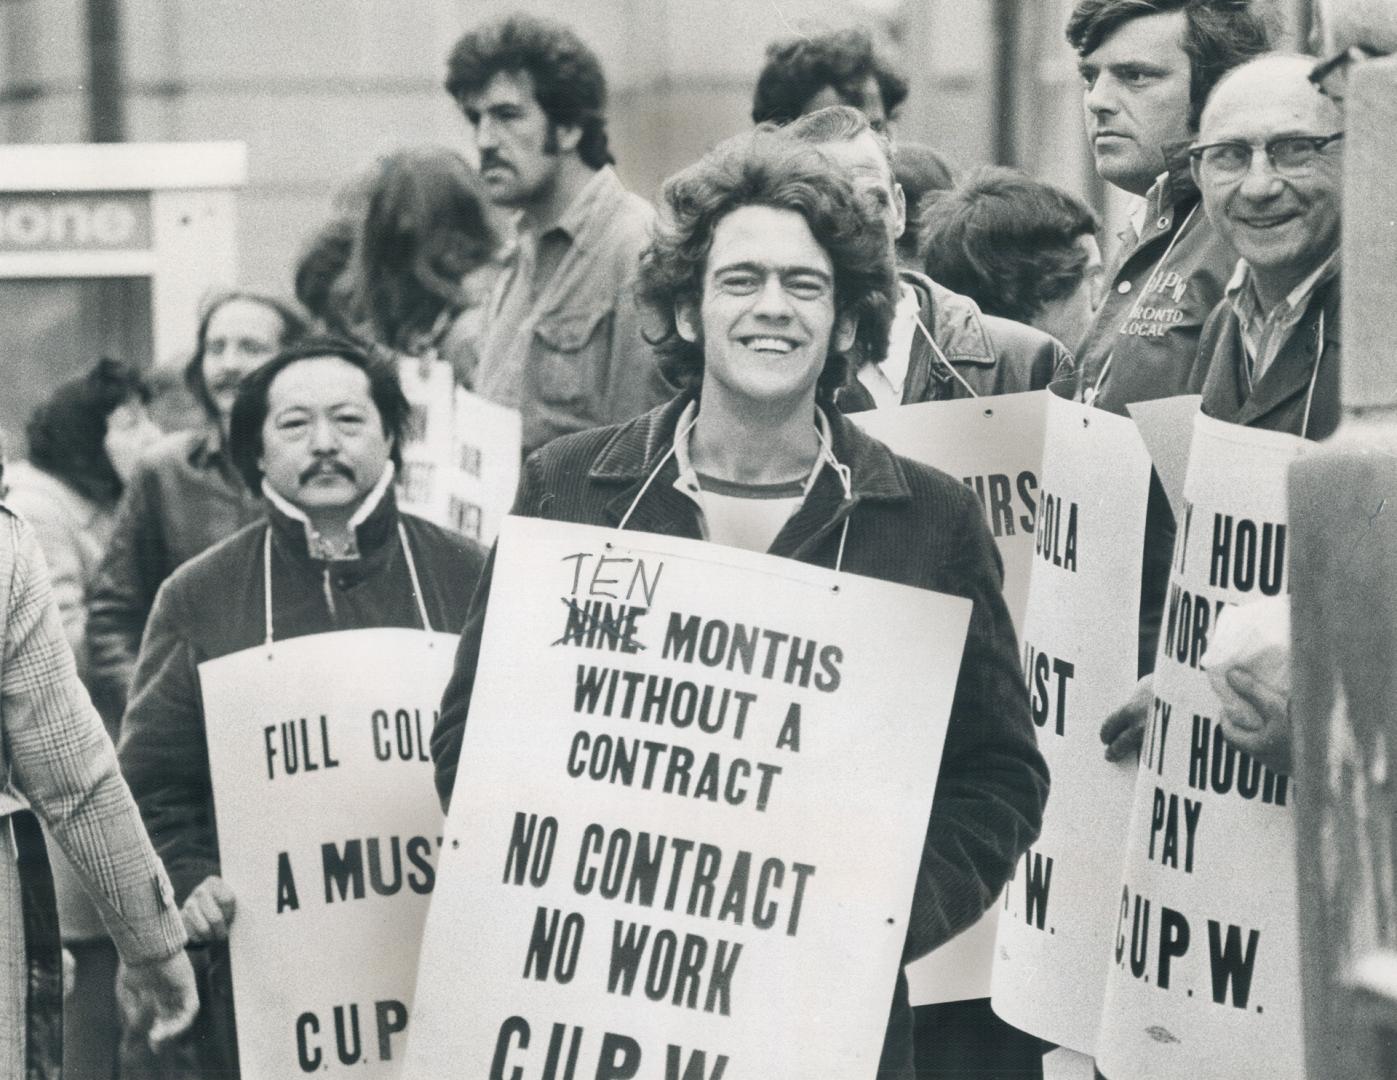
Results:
[491, 159]
[326, 468]
[226, 382]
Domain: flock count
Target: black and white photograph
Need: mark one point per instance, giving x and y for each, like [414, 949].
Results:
[698, 539]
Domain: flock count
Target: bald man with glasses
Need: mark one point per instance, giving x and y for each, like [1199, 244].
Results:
[1269, 164]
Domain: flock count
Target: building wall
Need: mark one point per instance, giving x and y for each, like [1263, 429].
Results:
[318, 88]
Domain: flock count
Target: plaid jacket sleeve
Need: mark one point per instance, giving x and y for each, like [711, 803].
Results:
[57, 755]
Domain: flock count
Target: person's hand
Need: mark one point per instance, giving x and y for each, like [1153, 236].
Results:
[209, 911]
[1124, 729]
[1259, 723]
[159, 998]
[1248, 664]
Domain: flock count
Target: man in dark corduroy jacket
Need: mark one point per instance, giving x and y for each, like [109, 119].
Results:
[771, 273]
[316, 429]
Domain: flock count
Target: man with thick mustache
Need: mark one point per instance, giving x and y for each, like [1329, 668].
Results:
[563, 341]
[316, 430]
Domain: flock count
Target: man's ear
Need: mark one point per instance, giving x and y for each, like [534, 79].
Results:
[899, 209]
[568, 136]
[686, 321]
[846, 328]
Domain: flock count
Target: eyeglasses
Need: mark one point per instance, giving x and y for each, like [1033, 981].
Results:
[1330, 77]
[1289, 155]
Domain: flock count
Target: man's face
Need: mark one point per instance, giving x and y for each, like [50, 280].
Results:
[864, 162]
[323, 443]
[1283, 225]
[241, 335]
[517, 143]
[868, 100]
[1136, 98]
[767, 315]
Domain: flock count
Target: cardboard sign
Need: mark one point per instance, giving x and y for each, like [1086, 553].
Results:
[329, 831]
[424, 481]
[1204, 975]
[485, 466]
[1166, 426]
[461, 456]
[692, 799]
[1079, 651]
[994, 446]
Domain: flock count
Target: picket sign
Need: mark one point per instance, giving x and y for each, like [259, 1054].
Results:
[995, 446]
[485, 459]
[461, 452]
[426, 449]
[1166, 426]
[692, 798]
[328, 831]
[1204, 977]
[1079, 649]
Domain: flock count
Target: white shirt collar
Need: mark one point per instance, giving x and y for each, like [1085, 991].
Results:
[886, 379]
[1241, 278]
[314, 543]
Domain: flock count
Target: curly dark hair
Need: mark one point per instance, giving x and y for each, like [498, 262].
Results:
[1006, 240]
[767, 169]
[293, 326]
[250, 408]
[425, 227]
[1219, 35]
[568, 82]
[798, 68]
[66, 433]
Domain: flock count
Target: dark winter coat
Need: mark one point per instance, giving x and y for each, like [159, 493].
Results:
[184, 498]
[1278, 402]
[213, 606]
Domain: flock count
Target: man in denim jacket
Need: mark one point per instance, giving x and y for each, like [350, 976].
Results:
[562, 341]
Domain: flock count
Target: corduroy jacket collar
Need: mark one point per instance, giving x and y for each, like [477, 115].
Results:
[374, 535]
[639, 449]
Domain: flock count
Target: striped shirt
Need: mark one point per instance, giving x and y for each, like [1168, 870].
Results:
[1265, 332]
